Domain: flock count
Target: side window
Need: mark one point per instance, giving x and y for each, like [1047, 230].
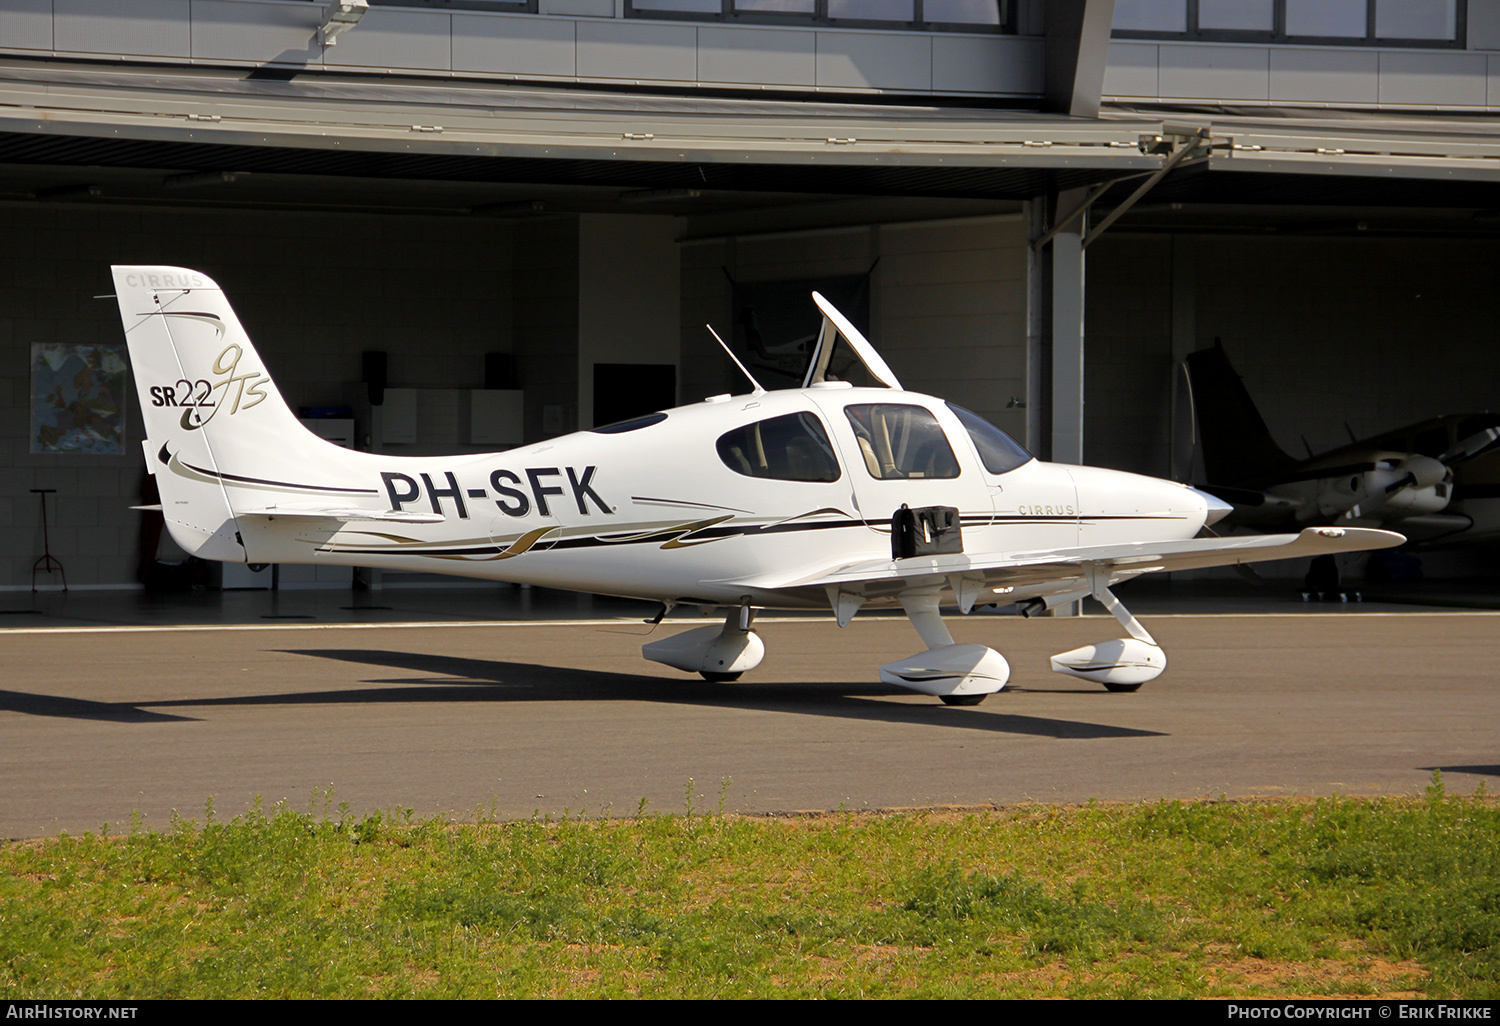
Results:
[901, 442]
[790, 448]
[999, 452]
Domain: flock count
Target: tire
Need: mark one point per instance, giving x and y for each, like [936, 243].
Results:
[963, 699]
[1122, 688]
[719, 678]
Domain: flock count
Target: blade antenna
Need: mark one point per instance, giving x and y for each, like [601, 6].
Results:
[759, 390]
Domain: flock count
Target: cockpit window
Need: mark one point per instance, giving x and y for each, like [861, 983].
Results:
[901, 442]
[790, 448]
[999, 453]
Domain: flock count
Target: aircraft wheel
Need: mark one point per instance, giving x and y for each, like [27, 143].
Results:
[1121, 687]
[719, 678]
[963, 699]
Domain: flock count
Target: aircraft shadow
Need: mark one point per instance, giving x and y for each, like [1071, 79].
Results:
[454, 678]
[82, 709]
[457, 679]
[1481, 771]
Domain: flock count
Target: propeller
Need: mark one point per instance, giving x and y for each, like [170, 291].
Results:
[1470, 447]
[1425, 471]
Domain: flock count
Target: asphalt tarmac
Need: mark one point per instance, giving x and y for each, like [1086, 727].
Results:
[564, 718]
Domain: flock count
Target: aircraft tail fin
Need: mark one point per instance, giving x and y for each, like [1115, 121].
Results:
[216, 425]
[1236, 445]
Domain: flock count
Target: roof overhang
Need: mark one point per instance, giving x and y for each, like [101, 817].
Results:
[192, 118]
[344, 122]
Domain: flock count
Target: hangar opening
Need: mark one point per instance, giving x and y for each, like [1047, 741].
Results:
[482, 214]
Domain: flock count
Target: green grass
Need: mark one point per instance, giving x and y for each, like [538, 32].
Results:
[1334, 897]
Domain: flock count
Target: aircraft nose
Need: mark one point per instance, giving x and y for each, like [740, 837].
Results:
[1216, 509]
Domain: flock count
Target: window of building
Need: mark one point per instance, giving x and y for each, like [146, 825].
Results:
[1237, 15]
[793, 447]
[1348, 22]
[1417, 19]
[508, 6]
[900, 442]
[938, 15]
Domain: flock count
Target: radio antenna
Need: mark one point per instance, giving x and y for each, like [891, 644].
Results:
[758, 389]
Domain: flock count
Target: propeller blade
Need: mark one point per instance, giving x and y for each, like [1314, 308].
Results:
[1249, 573]
[1396, 486]
[1471, 446]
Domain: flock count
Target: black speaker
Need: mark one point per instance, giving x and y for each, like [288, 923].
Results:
[372, 364]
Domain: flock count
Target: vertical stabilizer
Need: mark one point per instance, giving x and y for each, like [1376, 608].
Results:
[1237, 446]
[215, 422]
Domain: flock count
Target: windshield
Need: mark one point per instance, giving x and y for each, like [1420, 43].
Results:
[999, 452]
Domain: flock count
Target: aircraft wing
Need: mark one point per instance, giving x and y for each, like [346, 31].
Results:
[970, 573]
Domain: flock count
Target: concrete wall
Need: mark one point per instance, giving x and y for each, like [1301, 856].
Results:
[947, 304]
[313, 291]
[575, 41]
[1377, 333]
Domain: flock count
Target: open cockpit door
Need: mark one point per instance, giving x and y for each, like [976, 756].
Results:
[835, 325]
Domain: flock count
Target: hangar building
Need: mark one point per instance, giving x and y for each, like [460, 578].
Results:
[502, 211]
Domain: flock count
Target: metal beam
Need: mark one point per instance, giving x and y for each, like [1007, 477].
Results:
[1078, 211]
[1077, 50]
[1193, 145]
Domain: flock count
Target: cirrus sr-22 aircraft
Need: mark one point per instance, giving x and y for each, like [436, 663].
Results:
[823, 496]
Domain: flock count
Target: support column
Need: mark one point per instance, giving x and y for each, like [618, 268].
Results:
[1067, 333]
[1038, 332]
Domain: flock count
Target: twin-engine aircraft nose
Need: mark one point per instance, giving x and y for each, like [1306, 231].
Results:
[1216, 509]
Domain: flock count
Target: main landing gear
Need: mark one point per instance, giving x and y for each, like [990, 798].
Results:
[966, 674]
[955, 674]
[1123, 664]
[719, 654]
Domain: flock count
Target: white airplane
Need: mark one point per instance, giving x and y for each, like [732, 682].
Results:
[814, 497]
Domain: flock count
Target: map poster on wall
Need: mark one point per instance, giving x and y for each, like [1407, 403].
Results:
[77, 399]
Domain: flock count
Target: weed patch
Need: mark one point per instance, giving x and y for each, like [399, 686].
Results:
[1328, 898]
